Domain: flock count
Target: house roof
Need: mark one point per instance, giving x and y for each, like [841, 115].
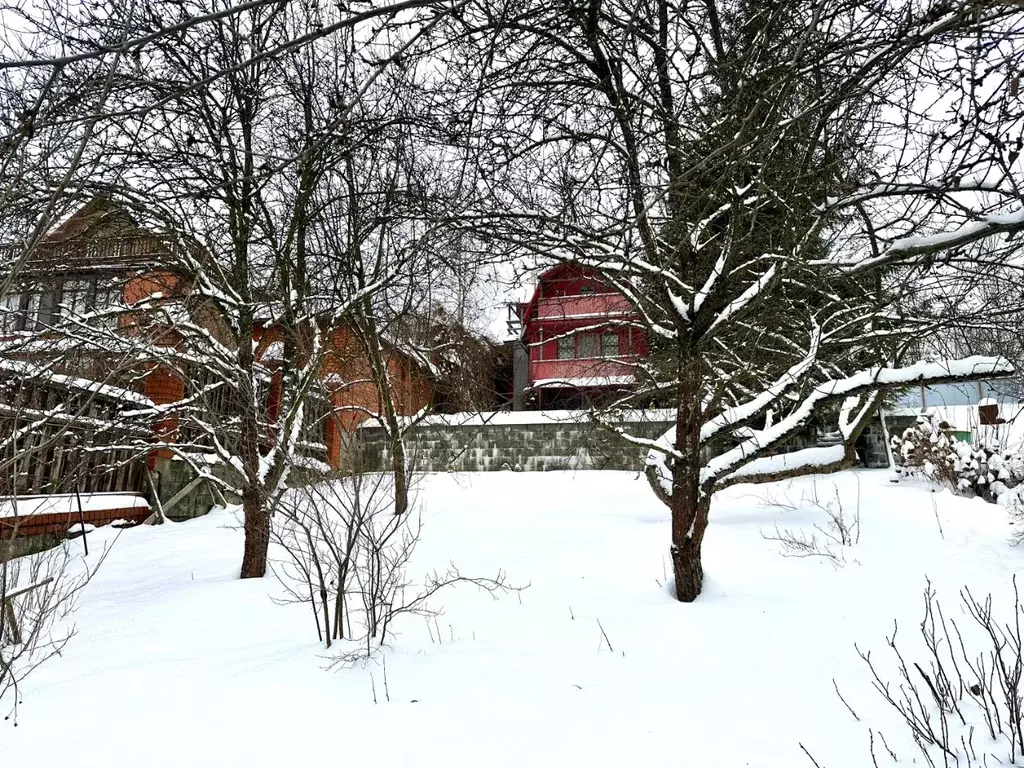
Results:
[96, 212]
[557, 272]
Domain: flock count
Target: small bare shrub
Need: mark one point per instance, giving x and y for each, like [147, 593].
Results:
[840, 529]
[961, 698]
[347, 554]
[42, 591]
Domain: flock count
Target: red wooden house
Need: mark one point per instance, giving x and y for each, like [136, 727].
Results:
[582, 340]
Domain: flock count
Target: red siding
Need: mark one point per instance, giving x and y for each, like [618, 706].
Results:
[558, 309]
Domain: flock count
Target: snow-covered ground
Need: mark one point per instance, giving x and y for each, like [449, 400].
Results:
[178, 663]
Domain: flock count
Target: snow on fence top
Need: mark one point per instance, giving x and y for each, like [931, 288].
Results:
[505, 418]
[28, 370]
[66, 503]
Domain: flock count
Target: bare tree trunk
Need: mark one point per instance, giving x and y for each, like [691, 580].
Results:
[687, 569]
[257, 535]
[689, 506]
[399, 469]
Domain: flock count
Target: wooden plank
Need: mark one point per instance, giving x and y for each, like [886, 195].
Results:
[12, 622]
[24, 590]
[182, 493]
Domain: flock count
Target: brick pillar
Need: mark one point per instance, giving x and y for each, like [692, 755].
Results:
[332, 437]
[163, 386]
[274, 402]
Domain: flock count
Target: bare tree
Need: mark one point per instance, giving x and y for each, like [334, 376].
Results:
[224, 147]
[961, 699]
[765, 183]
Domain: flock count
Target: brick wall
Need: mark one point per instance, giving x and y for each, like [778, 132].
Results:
[60, 522]
[353, 393]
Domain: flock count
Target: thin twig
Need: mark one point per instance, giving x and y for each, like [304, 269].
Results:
[810, 757]
[834, 685]
[605, 636]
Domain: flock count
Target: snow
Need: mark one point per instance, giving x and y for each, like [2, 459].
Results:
[178, 663]
[30, 370]
[965, 418]
[741, 301]
[975, 365]
[915, 245]
[584, 381]
[311, 463]
[734, 415]
[66, 502]
[504, 418]
[817, 456]
[993, 224]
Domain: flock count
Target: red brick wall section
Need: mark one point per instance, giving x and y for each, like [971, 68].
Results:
[352, 388]
[60, 522]
[149, 285]
[163, 386]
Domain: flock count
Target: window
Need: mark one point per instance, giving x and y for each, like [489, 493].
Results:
[108, 295]
[567, 348]
[108, 299]
[609, 345]
[38, 310]
[590, 345]
[586, 290]
[9, 313]
[75, 297]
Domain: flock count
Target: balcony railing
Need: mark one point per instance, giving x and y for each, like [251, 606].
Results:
[87, 253]
[594, 372]
[577, 307]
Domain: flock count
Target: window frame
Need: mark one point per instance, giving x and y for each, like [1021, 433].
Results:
[12, 316]
[563, 343]
[589, 346]
[113, 293]
[85, 288]
[613, 336]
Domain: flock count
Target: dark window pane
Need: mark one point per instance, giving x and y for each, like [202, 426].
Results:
[590, 345]
[610, 345]
[566, 348]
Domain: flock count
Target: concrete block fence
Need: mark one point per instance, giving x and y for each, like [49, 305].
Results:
[530, 441]
[541, 441]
